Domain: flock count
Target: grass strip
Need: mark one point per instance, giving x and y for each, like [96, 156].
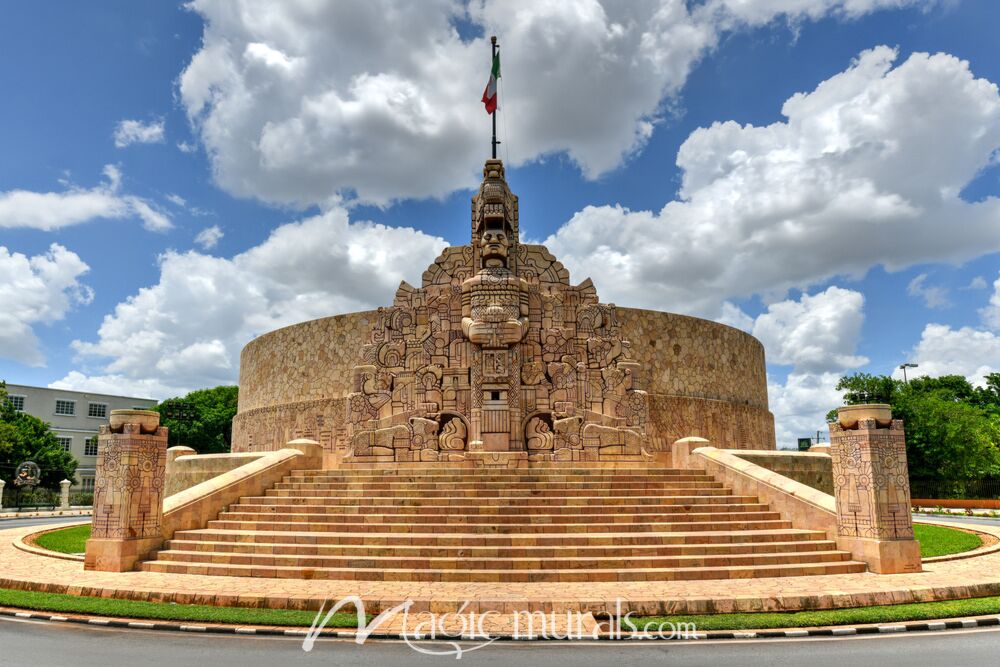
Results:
[942, 541]
[160, 611]
[68, 540]
[896, 613]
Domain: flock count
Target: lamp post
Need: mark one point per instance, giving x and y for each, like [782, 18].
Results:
[904, 367]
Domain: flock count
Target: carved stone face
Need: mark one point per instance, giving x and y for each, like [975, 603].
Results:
[494, 245]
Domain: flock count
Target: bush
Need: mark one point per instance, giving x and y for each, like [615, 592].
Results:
[84, 498]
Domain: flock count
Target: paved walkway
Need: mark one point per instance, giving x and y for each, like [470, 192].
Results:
[969, 577]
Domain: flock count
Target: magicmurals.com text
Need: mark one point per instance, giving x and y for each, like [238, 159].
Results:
[440, 634]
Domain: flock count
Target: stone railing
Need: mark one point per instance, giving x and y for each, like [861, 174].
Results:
[185, 468]
[812, 468]
[869, 511]
[131, 517]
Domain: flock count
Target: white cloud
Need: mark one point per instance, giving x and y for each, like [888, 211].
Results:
[933, 296]
[209, 237]
[991, 313]
[866, 170]
[176, 200]
[977, 283]
[49, 211]
[298, 101]
[187, 330]
[36, 290]
[186, 147]
[817, 336]
[969, 351]
[129, 132]
[965, 351]
[800, 406]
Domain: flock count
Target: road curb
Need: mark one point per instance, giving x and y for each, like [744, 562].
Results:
[791, 633]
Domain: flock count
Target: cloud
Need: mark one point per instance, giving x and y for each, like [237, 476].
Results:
[976, 283]
[297, 102]
[965, 351]
[36, 290]
[865, 170]
[49, 211]
[209, 237]
[817, 336]
[176, 200]
[187, 330]
[934, 297]
[991, 313]
[129, 132]
[969, 351]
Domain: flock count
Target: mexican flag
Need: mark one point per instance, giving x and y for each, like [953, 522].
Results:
[490, 94]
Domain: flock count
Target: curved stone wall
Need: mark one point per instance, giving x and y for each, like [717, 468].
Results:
[704, 379]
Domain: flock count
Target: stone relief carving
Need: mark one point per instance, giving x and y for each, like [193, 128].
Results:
[494, 333]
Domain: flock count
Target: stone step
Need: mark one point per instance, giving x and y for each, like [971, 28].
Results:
[468, 539]
[496, 527]
[395, 562]
[477, 492]
[494, 509]
[519, 518]
[497, 501]
[509, 575]
[585, 551]
[688, 476]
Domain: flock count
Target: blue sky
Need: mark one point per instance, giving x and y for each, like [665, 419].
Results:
[333, 149]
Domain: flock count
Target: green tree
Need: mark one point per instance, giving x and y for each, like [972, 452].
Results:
[952, 428]
[202, 420]
[27, 438]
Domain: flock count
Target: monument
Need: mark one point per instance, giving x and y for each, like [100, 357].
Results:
[496, 358]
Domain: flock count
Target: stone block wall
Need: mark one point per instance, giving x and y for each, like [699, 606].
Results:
[703, 378]
[809, 468]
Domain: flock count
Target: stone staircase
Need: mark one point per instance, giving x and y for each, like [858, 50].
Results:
[440, 522]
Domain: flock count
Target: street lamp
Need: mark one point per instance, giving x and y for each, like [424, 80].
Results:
[904, 367]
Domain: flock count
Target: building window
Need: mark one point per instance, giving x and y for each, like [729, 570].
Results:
[97, 410]
[16, 402]
[87, 484]
[65, 408]
[65, 443]
[90, 449]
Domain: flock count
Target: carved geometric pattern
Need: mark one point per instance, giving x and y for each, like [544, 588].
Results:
[871, 481]
[128, 491]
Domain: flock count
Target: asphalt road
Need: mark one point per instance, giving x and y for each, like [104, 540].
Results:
[39, 521]
[56, 644]
[960, 518]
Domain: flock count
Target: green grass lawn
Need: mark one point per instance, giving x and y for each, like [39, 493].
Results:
[157, 611]
[941, 541]
[68, 540]
[898, 613]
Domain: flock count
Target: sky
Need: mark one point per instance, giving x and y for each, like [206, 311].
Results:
[177, 178]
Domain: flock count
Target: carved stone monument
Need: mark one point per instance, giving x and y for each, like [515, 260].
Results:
[872, 489]
[128, 491]
[496, 358]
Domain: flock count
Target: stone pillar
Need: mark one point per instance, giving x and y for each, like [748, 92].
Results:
[872, 489]
[2, 484]
[64, 494]
[680, 451]
[128, 491]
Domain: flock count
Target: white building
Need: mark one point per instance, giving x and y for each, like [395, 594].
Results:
[75, 417]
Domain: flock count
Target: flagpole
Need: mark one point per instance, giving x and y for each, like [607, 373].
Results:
[493, 41]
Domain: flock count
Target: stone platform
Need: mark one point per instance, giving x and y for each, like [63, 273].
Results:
[447, 522]
[961, 578]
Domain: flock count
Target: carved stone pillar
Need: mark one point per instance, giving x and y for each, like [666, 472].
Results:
[128, 491]
[872, 489]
